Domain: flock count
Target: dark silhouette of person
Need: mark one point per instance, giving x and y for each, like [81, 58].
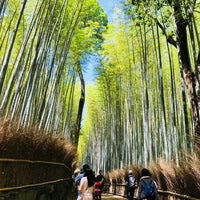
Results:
[147, 186]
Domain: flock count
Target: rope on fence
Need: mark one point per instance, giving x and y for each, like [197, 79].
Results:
[33, 161]
[159, 191]
[177, 195]
[33, 185]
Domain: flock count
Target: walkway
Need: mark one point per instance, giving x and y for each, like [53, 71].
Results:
[112, 197]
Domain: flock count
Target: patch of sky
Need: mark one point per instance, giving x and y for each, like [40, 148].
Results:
[89, 65]
[109, 6]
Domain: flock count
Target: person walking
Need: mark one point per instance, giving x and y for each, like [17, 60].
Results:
[147, 186]
[97, 189]
[78, 179]
[100, 177]
[86, 187]
[131, 183]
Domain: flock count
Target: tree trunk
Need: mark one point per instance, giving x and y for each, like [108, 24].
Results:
[186, 71]
[198, 66]
[80, 107]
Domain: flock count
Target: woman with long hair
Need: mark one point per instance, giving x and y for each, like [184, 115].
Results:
[86, 187]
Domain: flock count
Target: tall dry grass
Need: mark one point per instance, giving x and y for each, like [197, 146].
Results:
[30, 144]
[183, 179]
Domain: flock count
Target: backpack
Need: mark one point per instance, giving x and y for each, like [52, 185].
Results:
[149, 190]
[131, 181]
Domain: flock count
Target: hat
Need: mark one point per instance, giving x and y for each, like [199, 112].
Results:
[130, 171]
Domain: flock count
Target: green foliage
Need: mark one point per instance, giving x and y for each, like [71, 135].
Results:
[40, 85]
[88, 35]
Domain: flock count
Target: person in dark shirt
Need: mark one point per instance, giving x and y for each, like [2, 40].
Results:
[147, 186]
[100, 177]
[131, 184]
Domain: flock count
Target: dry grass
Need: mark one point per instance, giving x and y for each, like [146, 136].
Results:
[27, 143]
[182, 179]
[31, 144]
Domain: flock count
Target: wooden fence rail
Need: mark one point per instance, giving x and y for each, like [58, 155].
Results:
[120, 189]
[34, 180]
[17, 173]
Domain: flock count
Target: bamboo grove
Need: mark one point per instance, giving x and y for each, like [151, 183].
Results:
[144, 105]
[42, 45]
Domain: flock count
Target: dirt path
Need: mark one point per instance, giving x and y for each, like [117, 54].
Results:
[110, 197]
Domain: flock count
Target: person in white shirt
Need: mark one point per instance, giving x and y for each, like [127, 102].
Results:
[86, 187]
[78, 179]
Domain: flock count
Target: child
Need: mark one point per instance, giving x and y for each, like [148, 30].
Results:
[97, 189]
